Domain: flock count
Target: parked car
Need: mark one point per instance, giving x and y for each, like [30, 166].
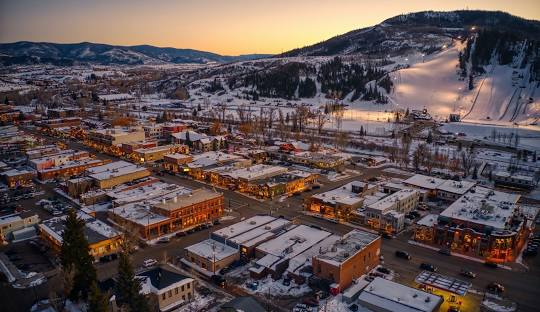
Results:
[467, 273]
[383, 270]
[180, 234]
[445, 251]
[286, 282]
[453, 309]
[428, 267]
[164, 240]
[386, 235]
[149, 263]
[311, 301]
[403, 254]
[495, 287]
[491, 264]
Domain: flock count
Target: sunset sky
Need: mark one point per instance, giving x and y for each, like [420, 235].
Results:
[222, 26]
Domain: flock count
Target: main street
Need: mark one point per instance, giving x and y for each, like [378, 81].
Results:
[522, 286]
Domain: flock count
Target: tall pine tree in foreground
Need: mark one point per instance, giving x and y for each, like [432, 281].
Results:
[128, 288]
[97, 301]
[75, 257]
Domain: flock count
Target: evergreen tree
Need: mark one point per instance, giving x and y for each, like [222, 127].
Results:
[188, 140]
[6, 100]
[534, 156]
[75, 256]
[97, 301]
[199, 108]
[194, 113]
[429, 139]
[128, 288]
[361, 130]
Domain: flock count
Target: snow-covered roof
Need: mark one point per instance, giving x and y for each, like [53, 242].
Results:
[95, 230]
[256, 172]
[345, 248]
[212, 158]
[115, 97]
[456, 187]
[139, 213]
[443, 282]
[243, 226]
[391, 296]
[342, 195]
[484, 206]
[211, 249]
[145, 192]
[506, 174]
[428, 220]
[259, 233]
[15, 172]
[389, 201]
[188, 198]
[114, 169]
[423, 181]
[293, 242]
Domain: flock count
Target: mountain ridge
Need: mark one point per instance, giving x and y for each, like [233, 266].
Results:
[28, 52]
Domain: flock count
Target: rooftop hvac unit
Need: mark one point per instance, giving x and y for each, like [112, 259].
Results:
[252, 222]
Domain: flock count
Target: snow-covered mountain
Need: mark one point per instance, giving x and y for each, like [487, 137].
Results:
[25, 52]
[484, 66]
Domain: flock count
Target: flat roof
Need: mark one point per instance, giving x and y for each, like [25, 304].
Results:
[115, 169]
[388, 201]
[484, 206]
[392, 296]
[456, 187]
[259, 232]
[243, 226]
[95, 230]
[293, 242]
[343, 194]
[139, 213]
[211, 249]
[350, 244]
[144, 192]
[212, 158]
[424, 181]
[428, 220]
[188, 199]
[256, 172]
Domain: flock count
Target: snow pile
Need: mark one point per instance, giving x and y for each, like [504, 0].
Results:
[276, 288]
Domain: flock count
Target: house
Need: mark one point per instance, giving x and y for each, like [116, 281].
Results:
[199, 141]
[166, 287]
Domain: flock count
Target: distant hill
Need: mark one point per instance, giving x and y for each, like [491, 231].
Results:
[24, 52]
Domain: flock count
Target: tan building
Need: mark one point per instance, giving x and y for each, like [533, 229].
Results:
[102, 239]
[116, 173]
[14, 178]
[156, 153]
[15, 222]
[166, 288]
[388, 214]
[210, 256]
[116, 136]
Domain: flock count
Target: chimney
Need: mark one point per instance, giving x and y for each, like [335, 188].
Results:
[175, 199]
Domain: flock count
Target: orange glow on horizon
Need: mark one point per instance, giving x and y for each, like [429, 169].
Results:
[227, 27]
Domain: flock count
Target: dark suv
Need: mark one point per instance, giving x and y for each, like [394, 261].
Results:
[403, 254]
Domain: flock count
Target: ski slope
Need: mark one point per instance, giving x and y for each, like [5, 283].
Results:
[501, 96]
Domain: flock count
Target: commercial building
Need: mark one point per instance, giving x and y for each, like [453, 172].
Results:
[102, 239]
[175, 162]
[110, 140]
[382, 295]
[199, 141]
[388, 214]
[352, 256]
[340, 202]
[157, 153]
[482, 223]
[516, 181]
[14, 178]
[68, 169]
[12, 223]
[319, 160]
[176, 211]
[59, 122]
[116, 173]
[210, 256]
